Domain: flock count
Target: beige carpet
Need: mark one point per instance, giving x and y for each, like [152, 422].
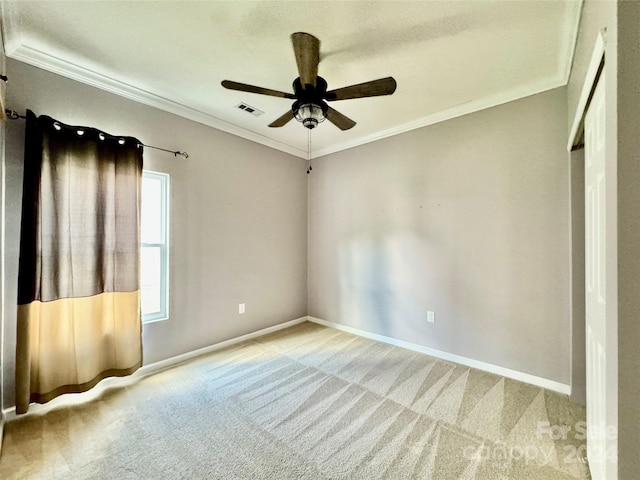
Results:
[307, 402]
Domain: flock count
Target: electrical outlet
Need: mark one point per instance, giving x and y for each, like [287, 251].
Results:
[241, 308]
[431, 317]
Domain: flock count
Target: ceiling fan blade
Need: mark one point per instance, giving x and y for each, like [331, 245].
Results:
[307, 50]
[283, 120]
[339, 120]
[243, 87]
[382, 86]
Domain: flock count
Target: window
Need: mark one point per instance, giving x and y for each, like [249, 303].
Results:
[154, 248]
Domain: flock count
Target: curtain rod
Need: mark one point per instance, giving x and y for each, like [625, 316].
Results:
[13, 115]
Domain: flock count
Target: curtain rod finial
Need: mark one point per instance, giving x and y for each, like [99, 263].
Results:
[13, 115]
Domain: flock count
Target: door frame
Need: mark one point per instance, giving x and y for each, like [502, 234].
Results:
[576, 187]
[596, 65]
[575, 149]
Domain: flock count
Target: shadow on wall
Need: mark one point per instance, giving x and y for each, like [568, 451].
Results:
[387, 284]
[411, 248]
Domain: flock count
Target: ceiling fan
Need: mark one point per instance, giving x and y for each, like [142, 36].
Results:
[310, 90]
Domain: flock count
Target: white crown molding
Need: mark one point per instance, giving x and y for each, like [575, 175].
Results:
[451, 357]
[62, 67]
[16, 49]
[67, 69]
[571, 38]
[448, 114]
[70, 70]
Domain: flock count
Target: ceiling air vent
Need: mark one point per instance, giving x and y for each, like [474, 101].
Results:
[249, 109]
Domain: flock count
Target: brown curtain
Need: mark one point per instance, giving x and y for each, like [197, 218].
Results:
[78, 286]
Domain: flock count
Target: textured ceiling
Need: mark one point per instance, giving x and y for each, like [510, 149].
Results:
[448, 57]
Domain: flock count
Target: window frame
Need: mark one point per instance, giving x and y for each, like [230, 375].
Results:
[163, 314]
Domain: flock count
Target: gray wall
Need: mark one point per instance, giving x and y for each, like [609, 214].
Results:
[238, 217]
[468, 218]
[628, 238]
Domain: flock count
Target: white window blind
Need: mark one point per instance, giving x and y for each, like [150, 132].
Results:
[154, 248]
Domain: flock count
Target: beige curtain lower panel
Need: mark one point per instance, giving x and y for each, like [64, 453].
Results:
[70, 344]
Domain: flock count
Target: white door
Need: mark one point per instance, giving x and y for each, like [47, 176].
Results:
[595, 276]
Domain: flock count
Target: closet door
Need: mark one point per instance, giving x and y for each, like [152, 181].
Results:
[595, 283]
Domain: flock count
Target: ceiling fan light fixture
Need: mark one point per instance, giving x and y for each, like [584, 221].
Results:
[310, 114]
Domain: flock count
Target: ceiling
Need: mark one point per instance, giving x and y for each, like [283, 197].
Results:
[449, 58]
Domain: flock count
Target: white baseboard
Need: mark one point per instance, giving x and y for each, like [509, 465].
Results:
[170, 362]
[469, 362]
[144, 371]
[9, 414]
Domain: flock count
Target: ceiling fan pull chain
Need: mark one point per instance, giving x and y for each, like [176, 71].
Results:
[309, 152]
